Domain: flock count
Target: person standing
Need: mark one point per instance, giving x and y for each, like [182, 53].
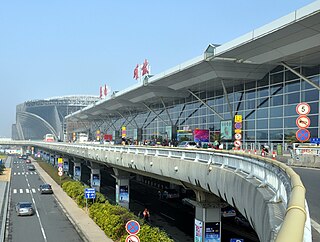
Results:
[146, 215]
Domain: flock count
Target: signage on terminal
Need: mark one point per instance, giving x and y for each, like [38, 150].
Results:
[303, 122]
[237, 136]
[315, 140]
[303, 109]
[303, 135]
[238, 125]
[237, 143]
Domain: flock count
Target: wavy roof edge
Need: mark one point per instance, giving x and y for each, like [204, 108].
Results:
[96, 98]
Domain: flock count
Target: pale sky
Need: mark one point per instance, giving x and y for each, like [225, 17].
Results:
[68, 47]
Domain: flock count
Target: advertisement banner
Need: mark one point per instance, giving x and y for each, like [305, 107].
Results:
[123, 131]
[198, 234]
[96, 180]
[66, 166]
[226, 129]
[77, 171]
[213, 232]
[124, 194]
[201, 135]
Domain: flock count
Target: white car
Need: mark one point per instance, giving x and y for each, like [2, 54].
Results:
[188, 144]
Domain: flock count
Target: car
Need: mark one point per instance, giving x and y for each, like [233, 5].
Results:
[45, 189]
[188, 144]
[228, 212]
[24, 208]
[28, 161]
[242, 221]
[170, 194]
[31, 167]
[24, 157]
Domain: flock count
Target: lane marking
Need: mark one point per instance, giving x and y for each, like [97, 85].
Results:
[22, 173]
[18, 173]
[27, 190]
[315, 225]
[21, 191]
[14, 173]
[14, 190]
[27, 173]
[33, 190]
[37, 212]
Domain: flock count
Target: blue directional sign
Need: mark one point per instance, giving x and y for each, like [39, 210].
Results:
[236, 240]
[315, 140]
[90, 193]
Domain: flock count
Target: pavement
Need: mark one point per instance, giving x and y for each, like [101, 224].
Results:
[78, 217]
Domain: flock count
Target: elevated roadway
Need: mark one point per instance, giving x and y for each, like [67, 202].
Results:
[267, 192]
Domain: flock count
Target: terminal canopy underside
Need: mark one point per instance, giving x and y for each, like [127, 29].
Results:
[291, 43]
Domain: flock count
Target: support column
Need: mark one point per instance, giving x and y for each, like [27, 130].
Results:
[207, 224]
[122, 187]
[95, 176]
[77, 171]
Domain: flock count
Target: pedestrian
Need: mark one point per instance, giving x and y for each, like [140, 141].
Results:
[146, 215]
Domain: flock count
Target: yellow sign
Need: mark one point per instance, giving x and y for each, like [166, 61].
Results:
[237, 131]
[238, 118]
[60, 161]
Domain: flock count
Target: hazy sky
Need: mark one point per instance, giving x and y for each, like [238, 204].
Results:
[67, 47]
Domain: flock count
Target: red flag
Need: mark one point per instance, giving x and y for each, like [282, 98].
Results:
[145, 67]
[105, 90]
[136, 72]
[100, 92]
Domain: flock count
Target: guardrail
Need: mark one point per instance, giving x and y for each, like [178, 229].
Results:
[284, 182]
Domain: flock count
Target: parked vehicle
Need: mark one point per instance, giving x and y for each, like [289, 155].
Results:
[31, 168]
[188, 144]
[24, 208]
[45, 189]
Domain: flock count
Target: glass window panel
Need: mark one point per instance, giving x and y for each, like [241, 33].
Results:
[278, 69]
[250, 104]
[263, 82]
[262, 123]
[276, 89]
[249, 135]
[313, 120]
[314, 107]
[275, 134]
[262, 113]
[262, 134]
[263, 102]
[292, 98]
[290, 123]
[250, 114]
[313, 132]
[305, 85]
[309, 96]
[315, 79]
[290, 76]
[250, 95]
[290, 134]
[276, 78]
[290, 110]
[276, 100]
[249, 125]
[292, 86]
[275, 123]
[263, 92]
[250, 85]
[310, 71]
[276, 112]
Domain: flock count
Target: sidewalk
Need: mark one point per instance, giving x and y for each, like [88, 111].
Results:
[82, 222]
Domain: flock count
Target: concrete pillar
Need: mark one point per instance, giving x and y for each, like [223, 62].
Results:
[95, 176]
[77, 171]
[122, 187]
[207, 225]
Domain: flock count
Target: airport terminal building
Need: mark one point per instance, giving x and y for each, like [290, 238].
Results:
[35, 118]
[262, 76]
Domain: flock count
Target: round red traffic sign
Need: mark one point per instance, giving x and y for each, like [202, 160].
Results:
[60, 169]
[132, 238]
[237, 143]
[303, 109]
[303, 135]
[303, 122]
[237, 136]
[60, 173]
[132, 227]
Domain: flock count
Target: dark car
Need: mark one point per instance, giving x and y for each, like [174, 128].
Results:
[31, 167]
[24, 157]
[46, 189]
[28, 161]
[24, 208]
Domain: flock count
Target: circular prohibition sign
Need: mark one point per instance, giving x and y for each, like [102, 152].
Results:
[132, 238]
[303, 135]
[132, 227]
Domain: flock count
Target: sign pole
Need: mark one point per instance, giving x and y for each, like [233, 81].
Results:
[86, 205]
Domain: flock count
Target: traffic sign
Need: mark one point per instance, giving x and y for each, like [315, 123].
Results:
[132, 227]
[90, 193]
[303, 122]
[132, 238]
[60, 173]
[60, 169]
[237, 131]
[303, 135]
[315, 140]
[237, 136]
[238, 118]
[236, 240]
[237, 143]
[238, 125]
[303, 109]
[60, 161]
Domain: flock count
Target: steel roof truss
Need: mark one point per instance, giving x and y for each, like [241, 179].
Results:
[164, 106]
[226, 95]
[154, 113]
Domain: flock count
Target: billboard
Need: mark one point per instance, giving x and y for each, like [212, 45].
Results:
[96, 180]
[77, 171]
[198, 231]
[124, 194]
[201, 135]
[212, 232]
[66, 166]
[226, 129]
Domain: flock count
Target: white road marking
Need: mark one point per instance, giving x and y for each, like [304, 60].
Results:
[27, 173]
[22, 173]
[27, 190]
[21, 190]
[14, 190]
[315, 225]
[33, 190]
[35, 173]
[18, 173]
[14, 173]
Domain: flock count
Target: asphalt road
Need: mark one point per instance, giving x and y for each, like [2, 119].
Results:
[311, 180]
[49, 223]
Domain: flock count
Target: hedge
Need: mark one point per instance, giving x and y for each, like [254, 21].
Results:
[112, 219]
